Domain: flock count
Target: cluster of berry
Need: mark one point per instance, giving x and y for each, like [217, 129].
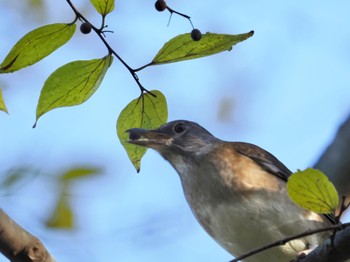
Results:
[161, 5]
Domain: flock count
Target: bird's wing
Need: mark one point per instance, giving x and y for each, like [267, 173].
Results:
[264, 159]
[270, 163]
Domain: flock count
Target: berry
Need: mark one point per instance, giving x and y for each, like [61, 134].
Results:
[196, 35]
[160, 5]
[85, 28]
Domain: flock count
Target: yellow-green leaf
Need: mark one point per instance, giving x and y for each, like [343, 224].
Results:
[103, 6]
[62, 216]
[312, 190]
[13, 176]
[37, 4]
[80, 172]
[144, 112]
[2, 103]
[36, 45]
[182, 47]
[72, 84]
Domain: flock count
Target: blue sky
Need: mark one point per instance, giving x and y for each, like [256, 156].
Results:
[285, 89]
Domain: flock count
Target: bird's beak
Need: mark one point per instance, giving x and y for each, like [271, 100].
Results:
[147, 138]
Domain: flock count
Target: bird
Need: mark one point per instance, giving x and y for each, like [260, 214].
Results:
[236, 191]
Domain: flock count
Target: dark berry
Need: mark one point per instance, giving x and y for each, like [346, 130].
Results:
[196, 35]
[85, 28]
[160, 5]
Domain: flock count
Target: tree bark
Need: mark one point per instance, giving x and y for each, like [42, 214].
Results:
[18, 245]
[339, 252]
[335, 161]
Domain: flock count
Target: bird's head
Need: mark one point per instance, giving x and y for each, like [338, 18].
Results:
[175, 138]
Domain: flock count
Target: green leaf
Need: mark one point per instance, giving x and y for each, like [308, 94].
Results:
[13, 176]
[37, 4]
[104, 7]
[36, 45]
[2, 103]
[144, 112]
[312, 190]
[62, 216]
[80, 172]
[72, 84]
[182, 47]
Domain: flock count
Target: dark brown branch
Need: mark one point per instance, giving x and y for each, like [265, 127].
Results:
[338, 251]
[100, 33]
[335, 161]
[18, 245]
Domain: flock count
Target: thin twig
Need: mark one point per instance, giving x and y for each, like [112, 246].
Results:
[143, 67]
[178, 13]
[100, 33]
[342, 208]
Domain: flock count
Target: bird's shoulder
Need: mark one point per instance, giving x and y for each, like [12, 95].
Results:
[261, 157]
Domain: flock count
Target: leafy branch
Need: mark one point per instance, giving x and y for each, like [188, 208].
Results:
[100, 32]
[75, 82]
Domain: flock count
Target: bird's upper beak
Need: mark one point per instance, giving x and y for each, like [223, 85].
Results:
[147, 138]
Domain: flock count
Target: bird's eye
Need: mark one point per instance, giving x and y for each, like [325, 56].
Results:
[179, 128]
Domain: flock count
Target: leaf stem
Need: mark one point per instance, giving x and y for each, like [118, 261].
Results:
[143, 67]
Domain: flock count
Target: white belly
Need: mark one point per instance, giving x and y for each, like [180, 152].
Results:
[248, 224]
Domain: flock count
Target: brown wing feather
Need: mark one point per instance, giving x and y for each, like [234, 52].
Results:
[270, 163]
[264, 159]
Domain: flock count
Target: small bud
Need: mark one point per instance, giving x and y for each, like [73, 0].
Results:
[160, 5]
[196, 35]
[85, 28]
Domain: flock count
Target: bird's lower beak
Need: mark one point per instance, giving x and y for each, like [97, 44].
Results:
[147, 138]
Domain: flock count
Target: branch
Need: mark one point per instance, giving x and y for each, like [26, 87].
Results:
[18, 245]
[335, 161]
[100, 33]
[338, 251]
[178, 13]
[287, 239]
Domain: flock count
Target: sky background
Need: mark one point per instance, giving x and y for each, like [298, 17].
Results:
[285, 89]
